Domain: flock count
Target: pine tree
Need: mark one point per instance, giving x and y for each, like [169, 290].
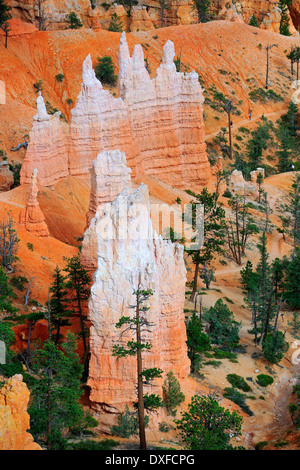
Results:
[253, 21]
[285, 149]
[136, 348]
[257, 144]
[105, 70]
[116, 24]
[78, 286]
[173, 396]
[55, 393]
[197, 341]
[214, 232]
[284, 27]
[4, 17]
[202, 8]
[59, 303]
[73, 21]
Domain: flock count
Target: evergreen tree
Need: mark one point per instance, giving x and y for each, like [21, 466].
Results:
[9, 242]
[116, 24]
[55, 393]
[73, 21]
[197, 341]
[136, 348]
[257, 144]
[284, 27]
[105, 70]
[292, 284]
[214, 232]
[207, 425]
[4, 17]
[59, 303]
[164, 7]
[253, 21]
[223, 329]
[202, 8]
[6, 294]
[78, 286]
[274, 347]
[173, 396]
[285, 149]
[239, 227]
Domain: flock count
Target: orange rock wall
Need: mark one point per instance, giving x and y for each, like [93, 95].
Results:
[14, 419]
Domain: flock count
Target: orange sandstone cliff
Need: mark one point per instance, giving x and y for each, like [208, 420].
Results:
[14, 419]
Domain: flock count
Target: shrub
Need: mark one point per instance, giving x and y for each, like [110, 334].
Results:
[238, 382]
[274, 347]
[173, 396]
[264, 380]
[18, 282]
[164, 427]
[127, 424]
[261, 445]
[237, 398]
[73, 21]
[59, 77]
[105, 70]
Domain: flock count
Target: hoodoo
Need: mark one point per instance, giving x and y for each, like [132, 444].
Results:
[157, 122]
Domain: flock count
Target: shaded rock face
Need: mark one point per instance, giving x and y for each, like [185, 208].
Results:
[14, 419]
[123, 261]
[6, 177]
[109, 176]
[157, 123]
[32, 216]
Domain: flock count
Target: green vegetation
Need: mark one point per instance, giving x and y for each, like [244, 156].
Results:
[173, 396]
[264, 380]
[207, 425]
[73, 21]
[238, 382]
[105, 70]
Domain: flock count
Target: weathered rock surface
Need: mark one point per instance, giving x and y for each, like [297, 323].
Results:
[238, 185]
[6, 176]
[48, 148]
[14, 419]
[109, 176]
[158, 123]
[128, 251]
[32, 216]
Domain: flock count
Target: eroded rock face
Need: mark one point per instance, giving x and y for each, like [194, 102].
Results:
[157, 123]
[6, 177]
[109, 176]
[123, 261]
[238, 185]
[14, 419]
[32, 216]
[48, 148]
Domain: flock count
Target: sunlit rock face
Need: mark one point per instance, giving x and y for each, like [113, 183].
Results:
[129, 252]
[109, 176]
[157, 123]
[32, 216]
[14, 418]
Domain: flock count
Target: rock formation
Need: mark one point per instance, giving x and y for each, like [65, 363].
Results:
[255, 173]
[6, 176]
[238, 185]
[48, 148]
[128, 251]
[109, 176]
[32, 216]
[158, 123]
[14, 419]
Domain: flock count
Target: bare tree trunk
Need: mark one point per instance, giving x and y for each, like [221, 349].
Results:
[195, 282]
[141, 410]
